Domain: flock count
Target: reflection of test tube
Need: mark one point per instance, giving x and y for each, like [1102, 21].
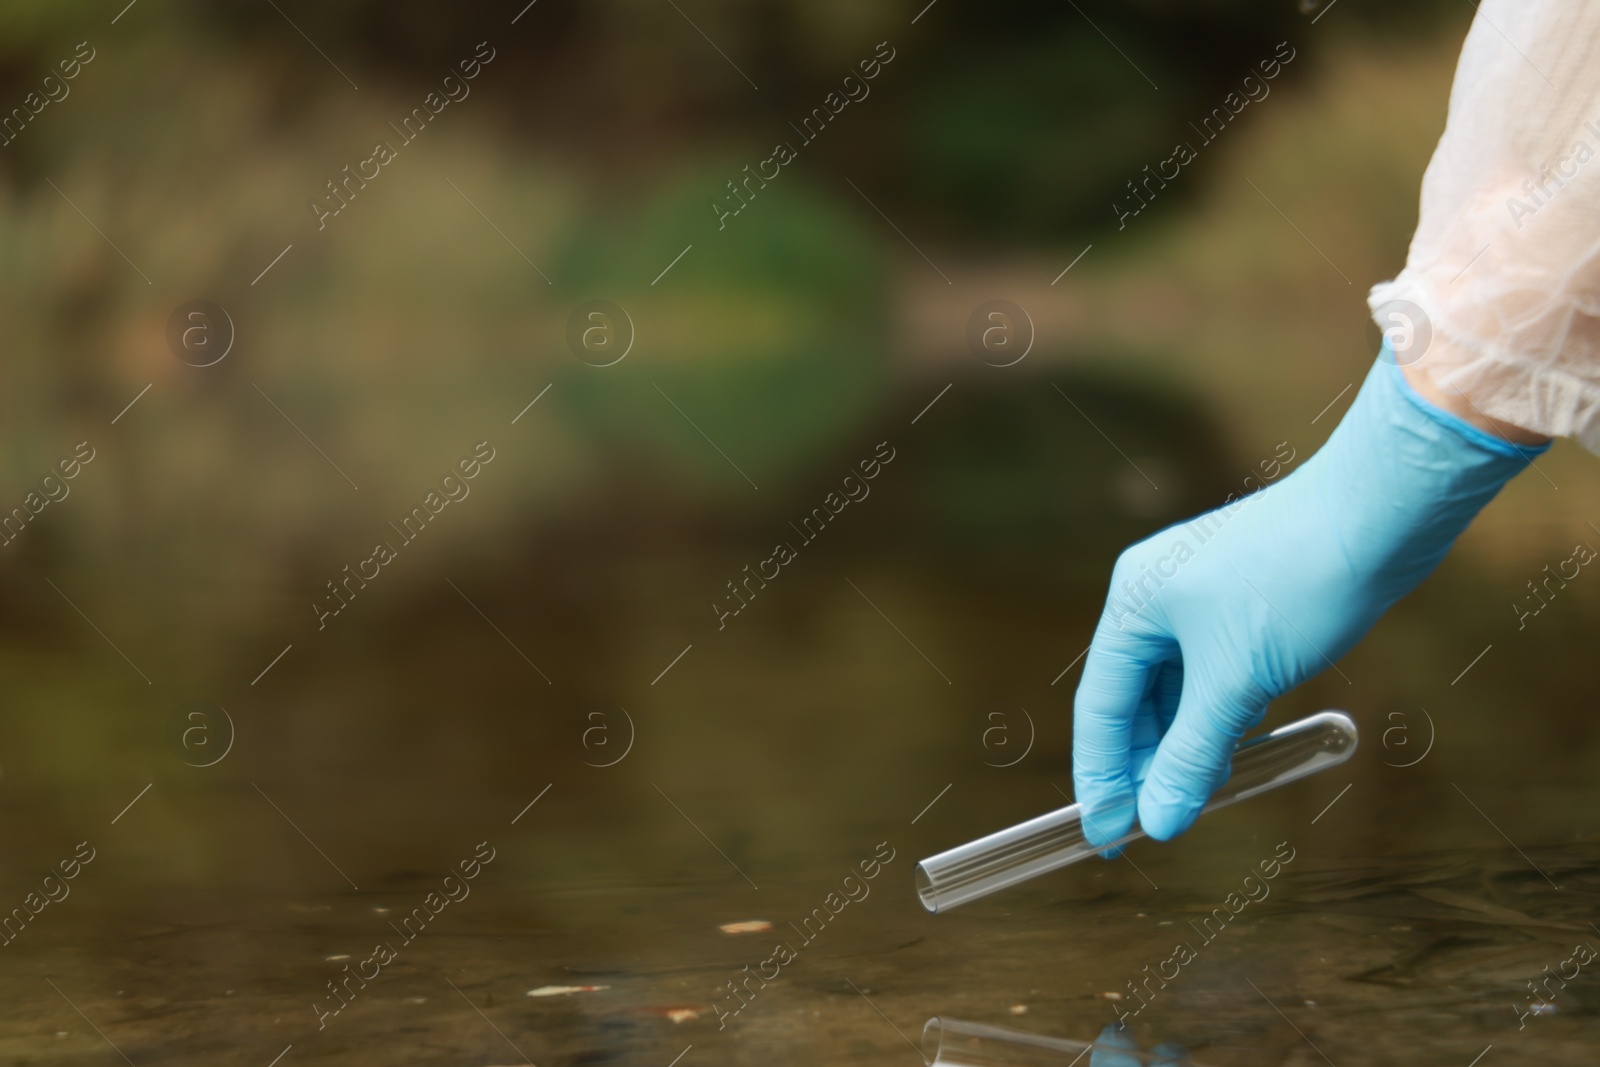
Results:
[1056, 839]
[954, 1043]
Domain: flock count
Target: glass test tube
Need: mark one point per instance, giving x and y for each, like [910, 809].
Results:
[1056, 839]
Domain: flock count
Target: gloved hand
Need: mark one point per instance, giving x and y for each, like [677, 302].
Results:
[1209, 620]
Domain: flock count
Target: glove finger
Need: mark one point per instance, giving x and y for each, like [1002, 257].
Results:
[1155, 718]
[1192, 761]
[1160, 703]
[1168, 693]
[1116, 678]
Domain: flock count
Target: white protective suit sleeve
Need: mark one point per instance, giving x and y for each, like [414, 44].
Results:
[1499, 301]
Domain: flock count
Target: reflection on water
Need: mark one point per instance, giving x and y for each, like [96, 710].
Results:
[955, 1043]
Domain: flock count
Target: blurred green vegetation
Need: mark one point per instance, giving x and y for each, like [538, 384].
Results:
[771, 336]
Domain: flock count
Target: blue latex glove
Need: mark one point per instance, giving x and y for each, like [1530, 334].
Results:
[1209, 620]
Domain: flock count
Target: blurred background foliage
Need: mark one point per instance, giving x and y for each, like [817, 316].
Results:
[596, 142]
[821, 321]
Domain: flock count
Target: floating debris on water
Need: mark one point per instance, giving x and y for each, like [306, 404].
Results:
[678, 1013]
[1018, 1009]
[748, 926]
[563, 990]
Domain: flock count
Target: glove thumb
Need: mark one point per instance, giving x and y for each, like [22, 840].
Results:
[1192, 761]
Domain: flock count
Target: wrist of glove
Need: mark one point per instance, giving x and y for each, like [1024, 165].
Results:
[1209, 620]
